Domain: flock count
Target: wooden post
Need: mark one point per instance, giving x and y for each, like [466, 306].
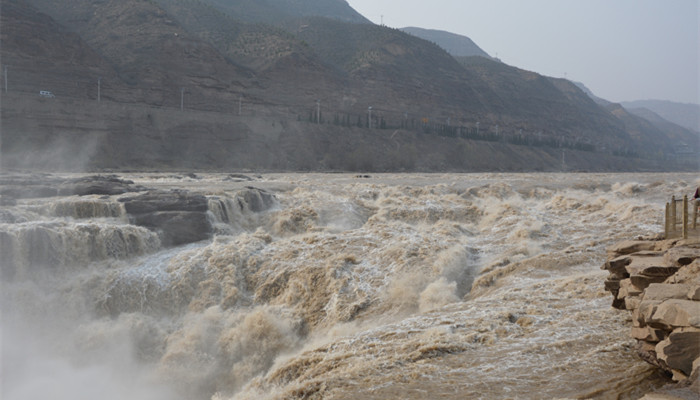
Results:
[673, 214]
[667, 222]
[685, 217]
[696, 205]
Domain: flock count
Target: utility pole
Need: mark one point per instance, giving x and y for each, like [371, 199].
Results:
[563, 159]
[99, 87]
[369, 118]
[318, 111]
[182, 98]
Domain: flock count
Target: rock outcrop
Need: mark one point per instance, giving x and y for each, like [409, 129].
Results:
[658, 281]
[26, 186]
[179, 217]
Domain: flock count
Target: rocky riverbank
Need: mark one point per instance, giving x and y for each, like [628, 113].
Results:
[658, 281]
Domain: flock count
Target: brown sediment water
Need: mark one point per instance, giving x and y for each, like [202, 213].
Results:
[456, 286]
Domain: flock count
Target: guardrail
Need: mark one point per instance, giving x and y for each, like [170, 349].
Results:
[681, 218]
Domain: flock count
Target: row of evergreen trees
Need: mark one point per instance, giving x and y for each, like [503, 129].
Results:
[444, 130]
[349, 121]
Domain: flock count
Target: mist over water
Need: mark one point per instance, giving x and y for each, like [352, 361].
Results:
[476, 286]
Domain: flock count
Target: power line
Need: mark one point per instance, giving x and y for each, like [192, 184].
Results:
[385, 116]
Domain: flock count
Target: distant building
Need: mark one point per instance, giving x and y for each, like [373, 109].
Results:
[683, 149]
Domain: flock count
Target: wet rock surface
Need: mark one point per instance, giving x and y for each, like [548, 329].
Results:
[179, 217]
[27, 186]
[101, 185]
[658, 281]
[256, 200]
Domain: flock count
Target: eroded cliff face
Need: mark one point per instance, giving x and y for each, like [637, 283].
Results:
[658, 281]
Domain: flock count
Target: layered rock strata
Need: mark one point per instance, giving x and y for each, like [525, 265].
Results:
[658, 281]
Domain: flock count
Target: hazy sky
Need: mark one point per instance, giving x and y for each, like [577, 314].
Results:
[620, 49]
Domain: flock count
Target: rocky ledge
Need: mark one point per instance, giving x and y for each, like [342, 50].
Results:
[25, 186]
[179, 217]
[658, 281]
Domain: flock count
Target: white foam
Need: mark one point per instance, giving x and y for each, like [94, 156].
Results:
[362, 284]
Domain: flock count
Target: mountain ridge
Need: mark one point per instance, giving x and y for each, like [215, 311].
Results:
[678, 123]
[192, 55]
[686, 115]
[274, 11]
[455, 44]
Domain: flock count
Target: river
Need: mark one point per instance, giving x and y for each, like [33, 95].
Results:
[416, 286]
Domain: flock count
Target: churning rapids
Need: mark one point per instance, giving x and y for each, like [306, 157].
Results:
[474, 286]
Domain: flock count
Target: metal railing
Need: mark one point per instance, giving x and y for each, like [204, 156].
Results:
[681, 218]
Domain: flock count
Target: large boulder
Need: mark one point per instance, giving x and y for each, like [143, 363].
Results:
[680, 349]
[665, 291]
[681, 256]
[176, 227]
[179, 217]
[675, 313]
[158, 201]
[651, 266]
[630, 246]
